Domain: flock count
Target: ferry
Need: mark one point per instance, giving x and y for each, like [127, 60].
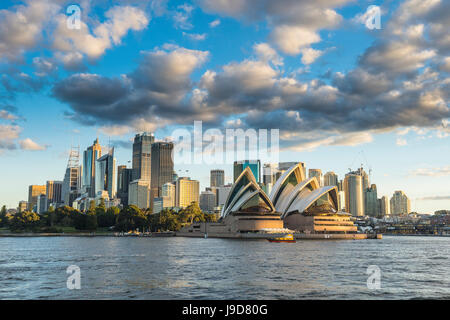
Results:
[286, 238]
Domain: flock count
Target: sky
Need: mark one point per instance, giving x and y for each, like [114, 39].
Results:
[341, 92]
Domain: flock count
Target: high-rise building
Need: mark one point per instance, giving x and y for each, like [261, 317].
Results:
[105, 174]
[222, 194]
[400, 203]
[239, 166]
[207, 201]
[90, 156]
[71, 188]
[33, 192]
[41, 203]
[371, 201]
[270, 173]
[124, 177]
[161, 166]
[142, 148]
[54, 189]
[316, 173]
[330, 179]
[353, 188]
[23, 206]
[168, 192]
[187, 191]
[384, 206]
[217, 178]
[139, 193]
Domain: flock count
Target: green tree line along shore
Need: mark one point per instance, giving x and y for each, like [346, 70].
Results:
[99, 218]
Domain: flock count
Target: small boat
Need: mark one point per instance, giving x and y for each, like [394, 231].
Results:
[286, 238]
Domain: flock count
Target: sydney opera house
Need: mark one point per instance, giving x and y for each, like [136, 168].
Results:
[295, 204]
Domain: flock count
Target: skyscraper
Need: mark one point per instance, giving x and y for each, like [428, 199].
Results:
[161, 166]
[187, 191]
[54, 189]
[105, 174]
[353, 188]
[207, 201]
[124, 177]
[400, 203]
[169, 194]
[71, 187]
[90, 156]
[139, 194]
[384, 206]
[330, 179]
[33, 192]
[316, 173]
[217, 178]
[239, 166]
[371, 201]
[142, 148]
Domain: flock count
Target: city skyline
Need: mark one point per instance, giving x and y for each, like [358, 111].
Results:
[47, 103]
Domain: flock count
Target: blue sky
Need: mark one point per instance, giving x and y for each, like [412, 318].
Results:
[340, 93]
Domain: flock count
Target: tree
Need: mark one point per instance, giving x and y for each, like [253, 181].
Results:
[25, 220]
[192, 213]
[3, 218]
[107, 218]
[131, 218]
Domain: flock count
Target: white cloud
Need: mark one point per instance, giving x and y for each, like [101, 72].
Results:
[28, 144]
[195, 36]
[292, 39]
[214, 23]
[309, 55]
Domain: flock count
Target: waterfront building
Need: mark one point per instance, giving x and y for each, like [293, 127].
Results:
[169, 194]
[141, 163]
[187, 191]
[23, 206]
[208, 201]
[307, 207]
[124, 177]
[269, 173]
[139, 193]
[371, 201]
[53, 191]
[316, 173]
[354, 196]
[239, 167]
[71, 187]
[33, 192]
[222, 194]
[105, 174]
[90, 156]
[400, 203]
[41, 203]
[384, 206]
[217, 178]
[331, 179]
[162, 166]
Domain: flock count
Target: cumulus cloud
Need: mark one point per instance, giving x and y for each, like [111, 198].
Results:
[154, 91]
[296, 23]
[22, 28]
[214, 23]
[28, 144]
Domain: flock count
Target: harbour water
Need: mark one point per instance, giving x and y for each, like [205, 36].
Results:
[196, 268]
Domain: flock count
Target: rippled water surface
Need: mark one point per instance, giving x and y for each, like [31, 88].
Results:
[185, 268]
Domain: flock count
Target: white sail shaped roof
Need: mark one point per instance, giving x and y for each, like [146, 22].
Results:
[286, 183]
[301, 204]
[244, 190]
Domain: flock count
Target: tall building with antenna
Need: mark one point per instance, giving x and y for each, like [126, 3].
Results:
[72, 178]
